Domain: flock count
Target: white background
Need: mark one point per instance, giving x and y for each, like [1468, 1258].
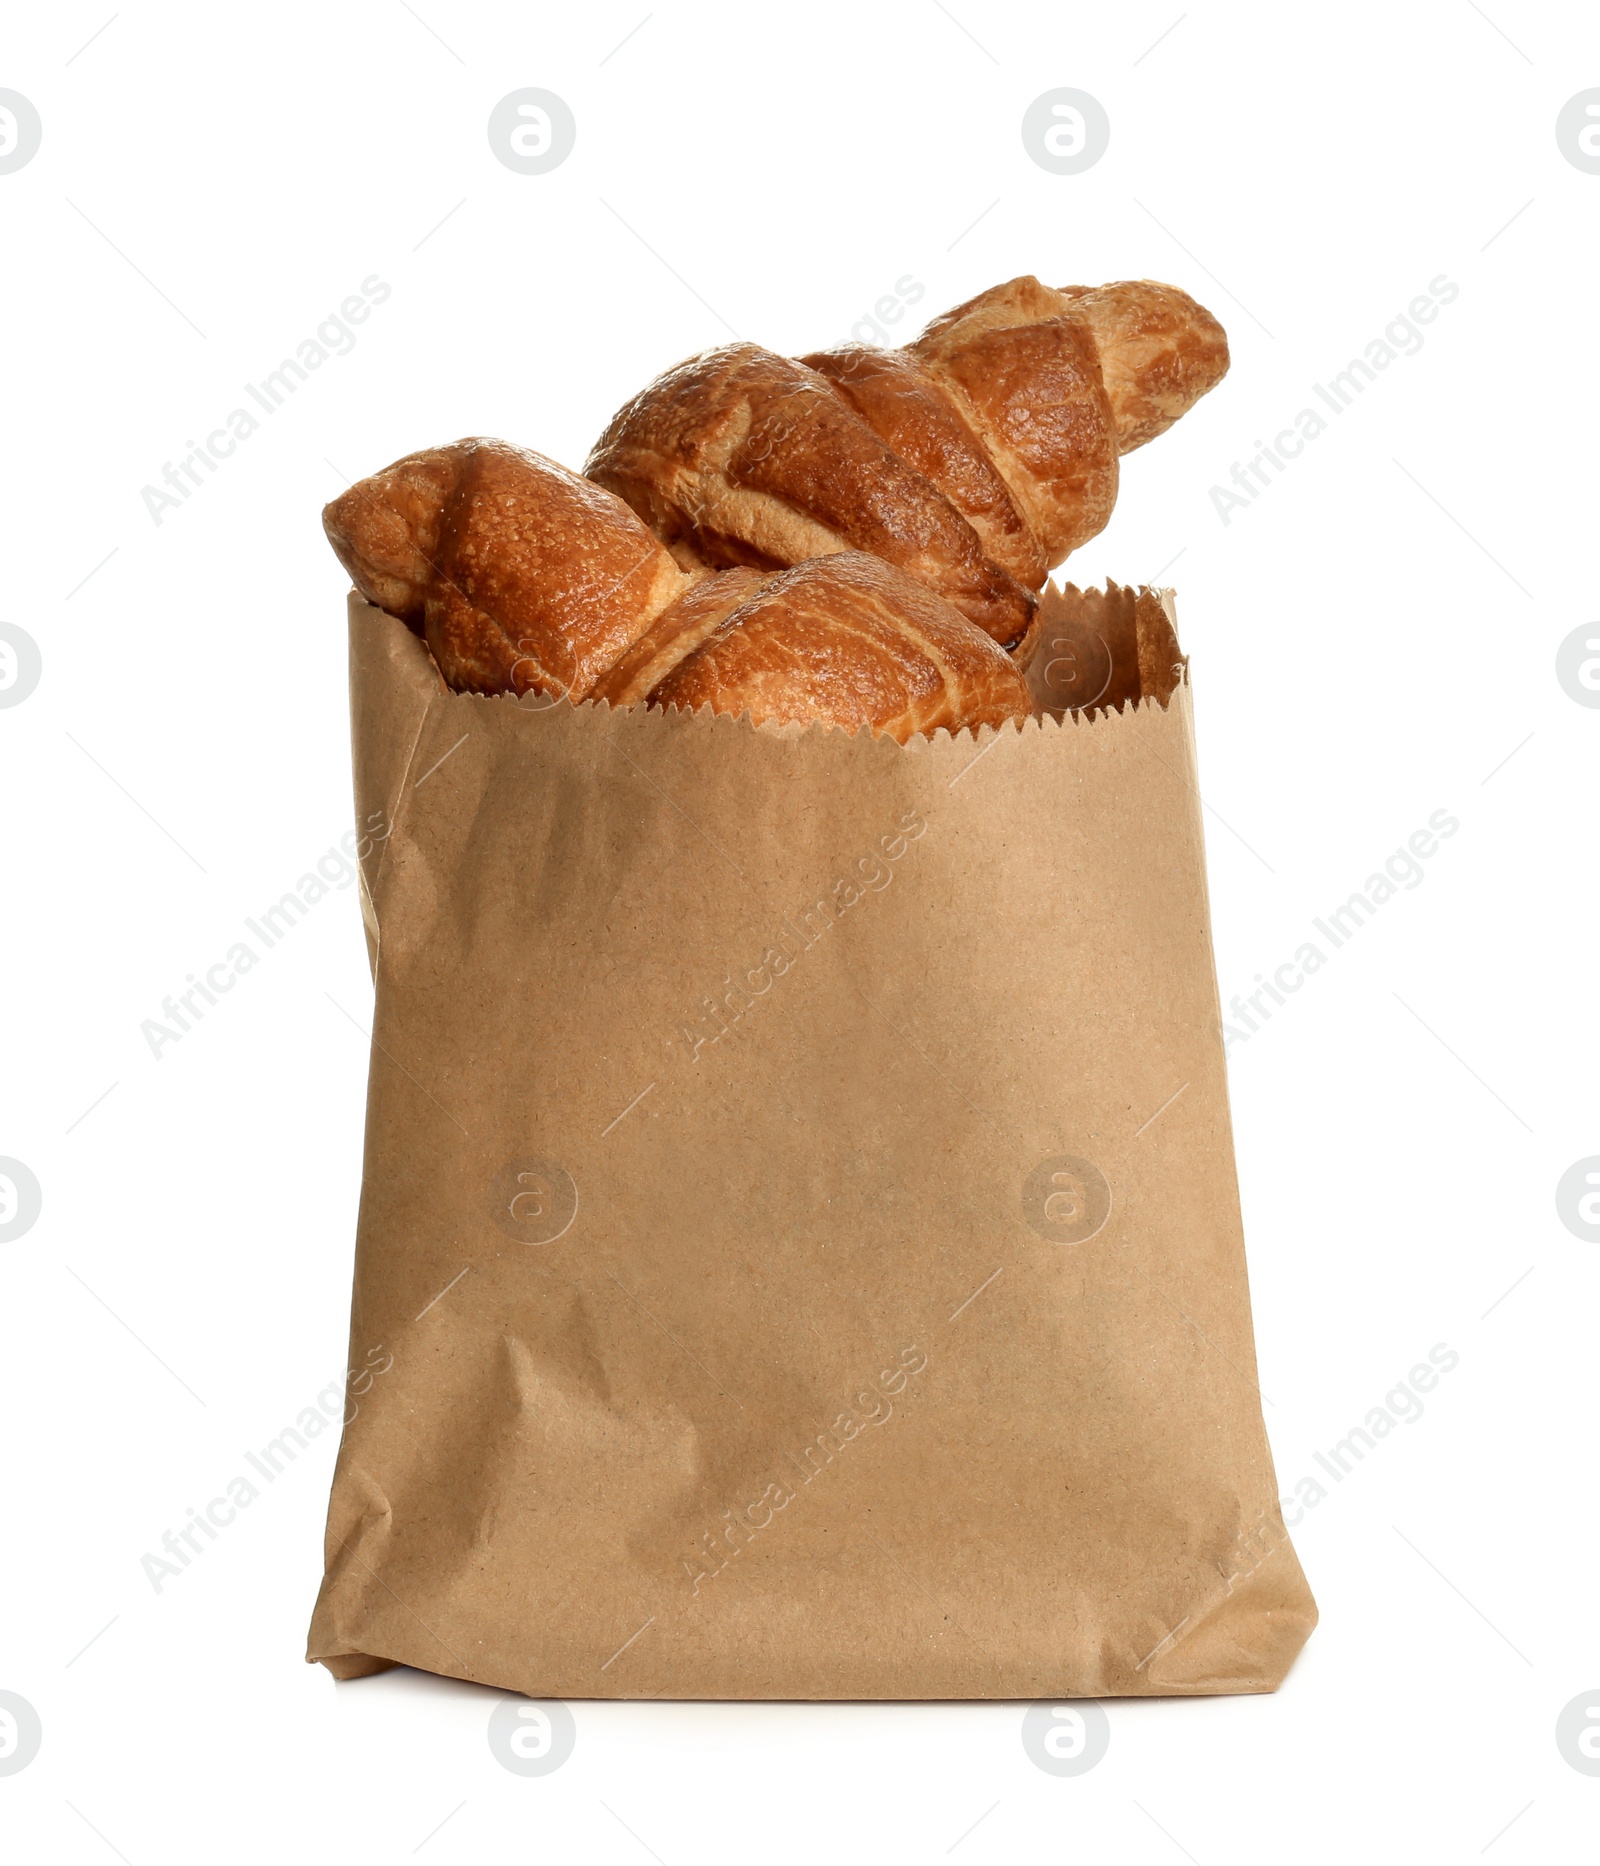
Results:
[1373, 640]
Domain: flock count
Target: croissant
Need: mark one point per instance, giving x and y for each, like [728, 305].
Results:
[523, 577]
[975, 459]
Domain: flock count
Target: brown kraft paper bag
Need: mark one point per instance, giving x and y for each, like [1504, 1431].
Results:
[798, 1212]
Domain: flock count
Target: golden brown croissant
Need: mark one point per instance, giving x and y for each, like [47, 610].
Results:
[517, 573]
[976, 458]
[522, 576]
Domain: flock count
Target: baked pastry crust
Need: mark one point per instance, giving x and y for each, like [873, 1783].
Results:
[523, 577]
[976, 458]
[519, 574]
[745, 457]
[851, 640]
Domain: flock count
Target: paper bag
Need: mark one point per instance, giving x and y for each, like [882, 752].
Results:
[798, 1219]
